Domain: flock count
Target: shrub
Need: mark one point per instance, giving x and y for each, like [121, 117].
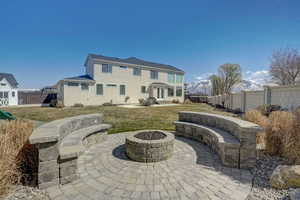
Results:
[256, 117]
[13, 159]
[278, 132]
[268, 109]
[78, 105]
[107, 104]
[175, 101]
[141, 101]
[187, 101]
[237, 111]
[127, 98]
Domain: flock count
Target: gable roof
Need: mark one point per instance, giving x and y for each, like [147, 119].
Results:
[10, 78]
[136, 61]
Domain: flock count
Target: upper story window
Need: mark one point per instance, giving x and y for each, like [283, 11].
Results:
[137, 71]
[153, 74]
[106, 68]
[84, 86]
[4, 95]
[3, 84]
[179, 78]
[73, 84]
[13, 94]
[123, 67]
[171, 77]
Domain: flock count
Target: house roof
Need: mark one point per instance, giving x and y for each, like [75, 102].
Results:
[80, 78]
[10, 78]
[136, 61]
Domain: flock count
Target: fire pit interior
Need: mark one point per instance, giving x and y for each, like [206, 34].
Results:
[148, 135]
[149, 146]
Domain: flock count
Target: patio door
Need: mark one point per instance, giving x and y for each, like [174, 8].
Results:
[160, 93]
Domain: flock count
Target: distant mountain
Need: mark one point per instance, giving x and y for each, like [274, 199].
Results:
[253, 81]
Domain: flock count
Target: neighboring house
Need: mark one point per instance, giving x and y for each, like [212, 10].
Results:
[8, 90]
[121, 81]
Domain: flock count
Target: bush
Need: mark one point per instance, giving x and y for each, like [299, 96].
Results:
[107, 104]
[141, 101]
[278, 132]
[127, 98]
[175, 101]
[268, 109]
[237, 111]
[256, 117]
[13, 157]
[187, 101]
[78, 105]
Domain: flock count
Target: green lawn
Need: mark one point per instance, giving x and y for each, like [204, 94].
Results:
[122, 119]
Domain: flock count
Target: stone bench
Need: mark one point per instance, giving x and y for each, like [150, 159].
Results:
[233, 139]
[59, 144]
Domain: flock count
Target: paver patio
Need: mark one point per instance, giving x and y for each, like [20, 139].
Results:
[194, 172]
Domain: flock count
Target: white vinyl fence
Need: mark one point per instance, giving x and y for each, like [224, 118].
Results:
[287, 97]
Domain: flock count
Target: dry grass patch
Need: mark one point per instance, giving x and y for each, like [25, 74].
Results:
[13, 141]
[256, 117]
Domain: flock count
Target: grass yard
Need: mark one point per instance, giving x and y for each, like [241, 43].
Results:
[122, 119]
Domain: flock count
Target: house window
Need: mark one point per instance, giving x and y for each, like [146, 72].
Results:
[170, 92]
[179, 78]
[99, 89]
[73, 84]
[106, 68]
[84, 86]
[122, 90]
[143, 89]
[3, 84]
[153, 74]
[111, 85]
[171, 77]
[123, 67]
[13, 94]
[136, 71]
[178, 91]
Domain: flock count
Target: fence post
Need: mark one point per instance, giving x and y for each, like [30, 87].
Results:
[267, 95]
[244, 101]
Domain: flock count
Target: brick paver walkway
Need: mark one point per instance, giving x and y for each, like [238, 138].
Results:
[194, 172]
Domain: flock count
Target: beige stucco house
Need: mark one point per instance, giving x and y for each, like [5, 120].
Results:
[121, 81]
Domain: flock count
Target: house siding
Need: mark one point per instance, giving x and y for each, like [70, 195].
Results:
[119, 76]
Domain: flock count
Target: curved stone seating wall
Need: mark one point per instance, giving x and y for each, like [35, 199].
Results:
[232, 138]
[60, 143]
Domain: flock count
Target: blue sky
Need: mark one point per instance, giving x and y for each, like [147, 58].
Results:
[44, 41]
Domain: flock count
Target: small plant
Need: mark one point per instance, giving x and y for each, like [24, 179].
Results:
[148, 102]
[107, 104]
[127, 98]
[79, 105]
[175, 101]
[141, 101]
[187, 101]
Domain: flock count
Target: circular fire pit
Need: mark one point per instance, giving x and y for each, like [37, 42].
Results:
[149, 146]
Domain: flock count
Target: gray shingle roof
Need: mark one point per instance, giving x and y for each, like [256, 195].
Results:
[10, 78]
[136, 61]
[80, 78]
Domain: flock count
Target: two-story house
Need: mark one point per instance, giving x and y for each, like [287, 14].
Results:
[8, 90]
[122, 81]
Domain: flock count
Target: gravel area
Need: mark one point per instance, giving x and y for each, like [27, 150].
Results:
[261, 189]
[25, 192]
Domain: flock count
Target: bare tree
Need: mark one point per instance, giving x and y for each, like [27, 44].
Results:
[285, 66]
[231, 75]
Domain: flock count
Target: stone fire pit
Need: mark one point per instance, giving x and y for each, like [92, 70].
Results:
[150, 146]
